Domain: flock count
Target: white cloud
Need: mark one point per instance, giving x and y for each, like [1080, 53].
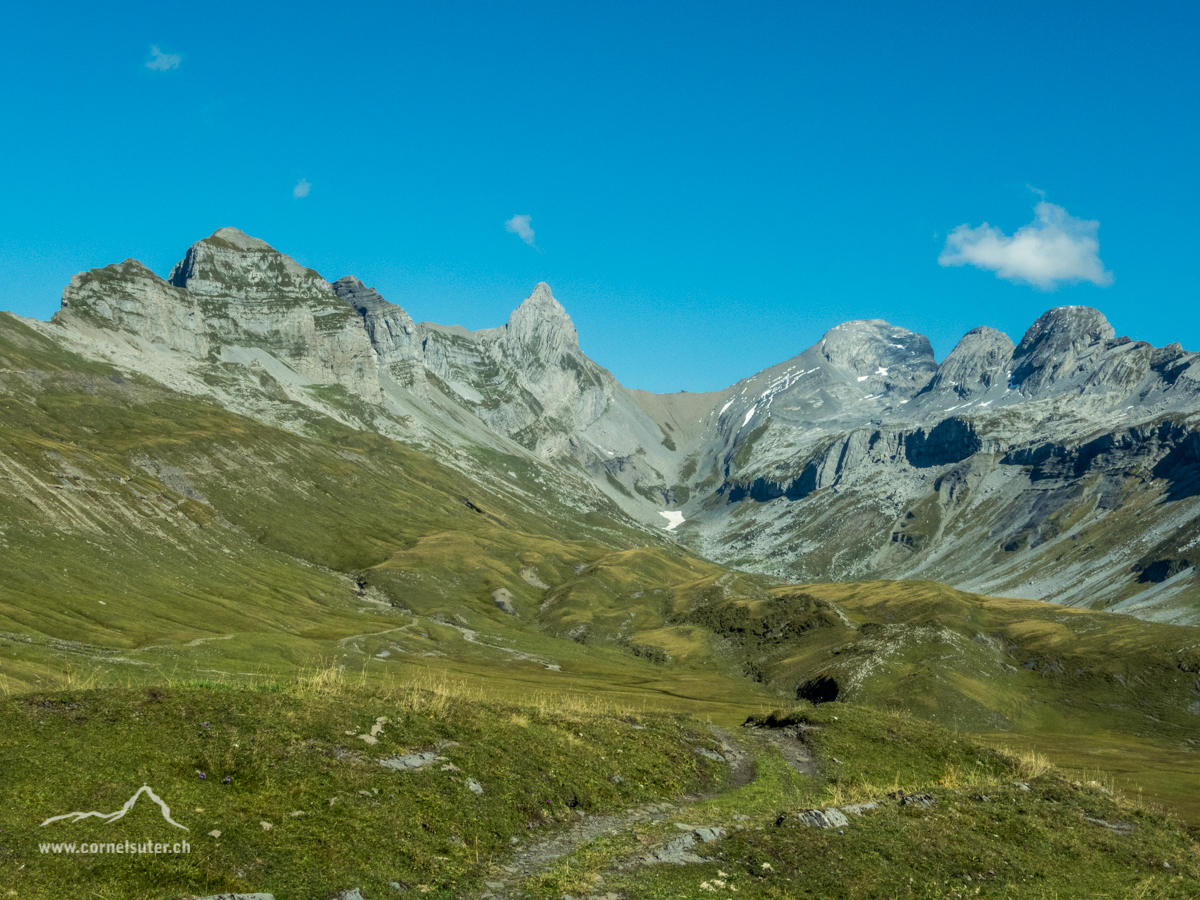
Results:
[519, 225]
[301, 189]
[1054, 248]
[160, 61]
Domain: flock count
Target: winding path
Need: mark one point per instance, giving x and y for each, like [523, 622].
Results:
[527, 862]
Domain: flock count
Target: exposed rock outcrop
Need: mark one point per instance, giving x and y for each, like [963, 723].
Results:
[981, 361]
[231, 294]
[398, 341]
[1062, 344]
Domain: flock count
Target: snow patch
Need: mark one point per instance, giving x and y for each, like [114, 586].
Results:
[674, 519]
[749, 415]
[725, 407]
[882, 370]
[863, 377]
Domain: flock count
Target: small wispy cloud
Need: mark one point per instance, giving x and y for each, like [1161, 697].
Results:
[301, 189]
[519, 225]
[161, 62]
[1055, 248]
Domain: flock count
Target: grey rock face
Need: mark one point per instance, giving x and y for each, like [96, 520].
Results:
[981, 361]
[823, 818]
[968, 478]
[677, 852]
[409, 761]
[395, 337]
[866, 347]
[1063, 343]
[231, 291]
[539, 330]
[503, 599]
[252, 329]
[131, 298]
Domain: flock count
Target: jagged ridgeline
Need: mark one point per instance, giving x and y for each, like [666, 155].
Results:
[251, 440]
[1065, 467]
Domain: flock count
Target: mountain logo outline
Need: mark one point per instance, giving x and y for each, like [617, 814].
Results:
[120, 813]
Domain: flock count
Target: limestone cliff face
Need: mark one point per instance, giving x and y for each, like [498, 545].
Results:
[396, 339]
[539, 331]
[540, 346]
[1063, 468]
[981, 361]
[130, 298]
[232, 291]
[529, 380]
[252, 295]
[877, 350]
[1062, 344]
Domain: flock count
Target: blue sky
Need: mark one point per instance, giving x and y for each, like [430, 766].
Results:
[709, 186]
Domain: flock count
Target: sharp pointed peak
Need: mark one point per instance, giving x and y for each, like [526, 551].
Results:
[541, 313]
[541, 304]
[541, 295]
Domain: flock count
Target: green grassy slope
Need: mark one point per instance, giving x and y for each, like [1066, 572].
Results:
[1096, 691]
[146, 534]
[278, 791]
[997, 826]
[227, 761]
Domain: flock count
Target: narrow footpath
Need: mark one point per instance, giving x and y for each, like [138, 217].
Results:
[508, 880]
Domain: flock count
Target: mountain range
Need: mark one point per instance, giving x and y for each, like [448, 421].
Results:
[1063, 467]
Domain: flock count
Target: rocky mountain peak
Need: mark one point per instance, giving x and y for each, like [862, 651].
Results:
[541, 300]
[1063, 342]
[875, 348]
[980, 361]
[239, 240]
[1066, 327]
[231, 263]
[393, 333]
[540, 326]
